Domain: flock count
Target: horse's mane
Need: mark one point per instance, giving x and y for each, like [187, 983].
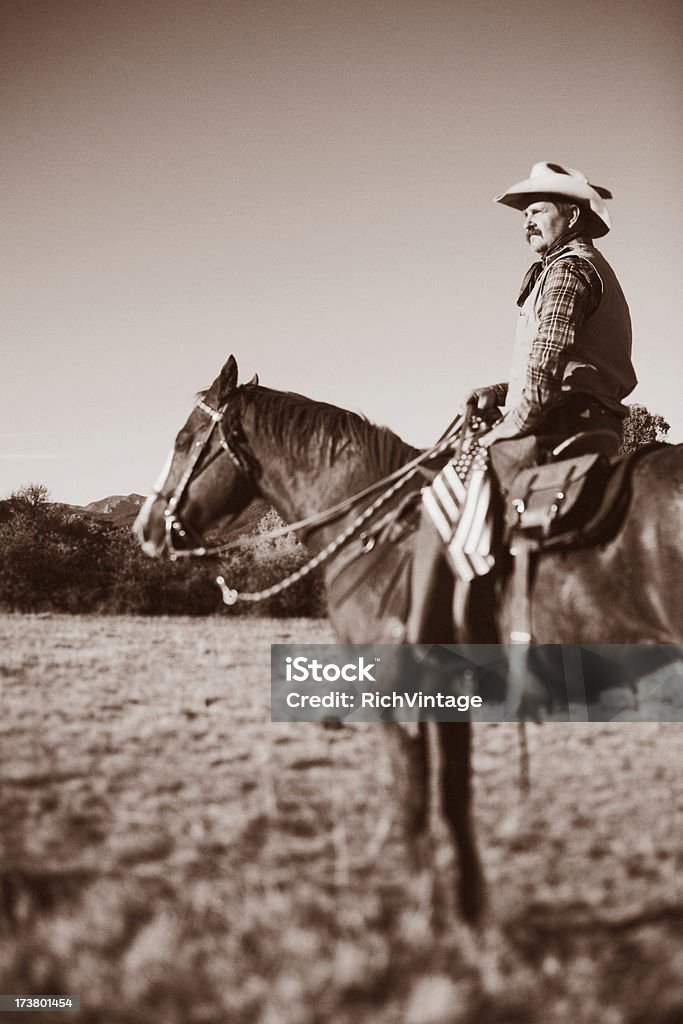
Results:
[307, 427]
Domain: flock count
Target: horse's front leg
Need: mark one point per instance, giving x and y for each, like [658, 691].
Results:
[455, 784]
[409, 756]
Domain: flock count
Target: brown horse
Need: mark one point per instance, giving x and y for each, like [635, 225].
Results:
[304, 457]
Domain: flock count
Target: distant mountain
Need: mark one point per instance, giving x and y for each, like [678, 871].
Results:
[120, 508]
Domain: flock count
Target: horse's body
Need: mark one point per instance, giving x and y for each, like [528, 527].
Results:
[304, 457]
[627, 590]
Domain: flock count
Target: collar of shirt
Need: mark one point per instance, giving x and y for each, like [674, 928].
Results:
[534, 272]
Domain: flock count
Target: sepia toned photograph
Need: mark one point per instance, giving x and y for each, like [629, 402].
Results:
[341, 512]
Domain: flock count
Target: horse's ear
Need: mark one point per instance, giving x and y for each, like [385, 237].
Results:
[254, 379]
[228, 377]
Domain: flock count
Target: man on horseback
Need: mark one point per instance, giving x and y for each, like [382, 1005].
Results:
[571, 365]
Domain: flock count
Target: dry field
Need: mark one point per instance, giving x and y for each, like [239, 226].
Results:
[173, 857]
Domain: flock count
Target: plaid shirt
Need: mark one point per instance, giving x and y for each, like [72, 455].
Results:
[571, 293]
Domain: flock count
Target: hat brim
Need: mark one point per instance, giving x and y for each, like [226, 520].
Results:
[519, 196]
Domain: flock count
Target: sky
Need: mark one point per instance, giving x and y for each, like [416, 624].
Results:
[307, 185]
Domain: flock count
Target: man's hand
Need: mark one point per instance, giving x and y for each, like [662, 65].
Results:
[482, 399]
[485, 402]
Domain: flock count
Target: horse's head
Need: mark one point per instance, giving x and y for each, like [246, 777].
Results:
[207, 476]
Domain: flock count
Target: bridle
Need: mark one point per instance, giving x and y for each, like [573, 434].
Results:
[174, 527]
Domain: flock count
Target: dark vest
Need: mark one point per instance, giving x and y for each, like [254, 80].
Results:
[600, 361]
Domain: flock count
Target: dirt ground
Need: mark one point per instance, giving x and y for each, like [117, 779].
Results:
[170, 855]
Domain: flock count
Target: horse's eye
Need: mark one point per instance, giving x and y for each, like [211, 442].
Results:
[182, 441]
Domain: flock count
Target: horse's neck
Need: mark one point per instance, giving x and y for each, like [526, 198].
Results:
[303, 485]
[297, 490]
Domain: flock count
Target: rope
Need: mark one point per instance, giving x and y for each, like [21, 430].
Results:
[231, 596]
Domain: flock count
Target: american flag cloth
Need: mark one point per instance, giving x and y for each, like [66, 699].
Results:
[458, 501]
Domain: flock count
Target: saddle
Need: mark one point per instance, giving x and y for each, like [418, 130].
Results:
[572, 499]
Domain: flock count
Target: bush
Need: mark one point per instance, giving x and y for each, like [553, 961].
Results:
[49, 561]
[57, 559]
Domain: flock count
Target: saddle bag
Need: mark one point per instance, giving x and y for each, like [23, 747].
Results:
[544, 501]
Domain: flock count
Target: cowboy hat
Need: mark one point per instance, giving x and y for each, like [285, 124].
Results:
[565, 183]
